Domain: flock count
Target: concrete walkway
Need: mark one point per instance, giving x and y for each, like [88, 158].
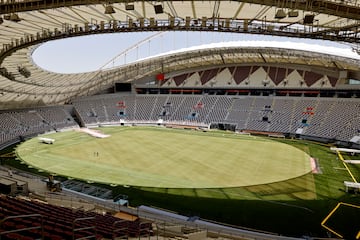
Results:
[35, 183]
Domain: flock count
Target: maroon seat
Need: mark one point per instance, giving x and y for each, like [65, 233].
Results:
[60, 222]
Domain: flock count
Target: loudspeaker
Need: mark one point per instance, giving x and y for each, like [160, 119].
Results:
[280, 14]
[129, 7]
[309, 19]
[265, 119]
[293, 13]
[158, 9]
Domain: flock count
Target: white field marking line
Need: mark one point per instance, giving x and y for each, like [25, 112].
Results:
[339, 168]
[93, 133]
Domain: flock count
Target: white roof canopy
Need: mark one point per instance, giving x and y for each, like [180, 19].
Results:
[24, 24]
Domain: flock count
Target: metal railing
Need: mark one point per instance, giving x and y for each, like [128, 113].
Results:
[77, 228]
[25, 228]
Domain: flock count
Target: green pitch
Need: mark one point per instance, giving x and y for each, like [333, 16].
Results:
[166, 158]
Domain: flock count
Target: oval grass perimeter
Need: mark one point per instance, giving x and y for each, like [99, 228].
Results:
[167, 158]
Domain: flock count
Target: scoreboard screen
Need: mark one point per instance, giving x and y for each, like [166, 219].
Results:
[122, 87]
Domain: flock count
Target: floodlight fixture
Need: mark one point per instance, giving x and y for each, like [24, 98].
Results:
[280, 14]
[309, 19]
[14, 17]
[292, 14]
[129, 7]
[158, 9]
[109, 9]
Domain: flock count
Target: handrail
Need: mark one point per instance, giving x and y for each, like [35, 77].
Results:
[41, 226]
[76, 229]
[121, 229]
[144, 232]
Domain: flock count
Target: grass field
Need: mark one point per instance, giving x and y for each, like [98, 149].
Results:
[292, 204]
[167, 158]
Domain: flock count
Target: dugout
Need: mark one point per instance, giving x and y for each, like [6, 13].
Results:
[223, 126]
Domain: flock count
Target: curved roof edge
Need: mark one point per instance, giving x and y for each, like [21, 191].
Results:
[345, 52]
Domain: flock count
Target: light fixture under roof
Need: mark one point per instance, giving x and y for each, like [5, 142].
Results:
[280, 13]
[293, 13]
[15, 17]
[129, 7]
[309, 19]
[109, 9]
[158, 9]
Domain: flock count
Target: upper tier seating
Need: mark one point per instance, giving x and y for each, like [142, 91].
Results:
[336, 119]
[322, 117]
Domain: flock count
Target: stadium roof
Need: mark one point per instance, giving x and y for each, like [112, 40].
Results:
[25, 24]
[330, 50]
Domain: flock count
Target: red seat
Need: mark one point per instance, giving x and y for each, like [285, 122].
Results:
[14, 236]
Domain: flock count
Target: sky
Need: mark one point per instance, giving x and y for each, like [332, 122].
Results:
[102, 51]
